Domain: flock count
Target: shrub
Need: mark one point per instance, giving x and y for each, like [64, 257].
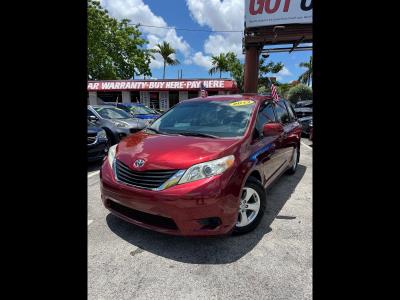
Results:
[299, 92]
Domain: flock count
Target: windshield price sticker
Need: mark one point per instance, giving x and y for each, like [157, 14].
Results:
[242, 102]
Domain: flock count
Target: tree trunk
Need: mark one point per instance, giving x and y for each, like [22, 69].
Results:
[164, 71]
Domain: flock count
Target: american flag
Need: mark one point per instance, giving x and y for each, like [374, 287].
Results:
[275, 95]
[203, 91]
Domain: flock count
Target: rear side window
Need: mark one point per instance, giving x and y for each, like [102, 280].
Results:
[282, 113]
[265, 115]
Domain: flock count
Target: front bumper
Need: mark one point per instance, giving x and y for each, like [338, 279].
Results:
[184, 209]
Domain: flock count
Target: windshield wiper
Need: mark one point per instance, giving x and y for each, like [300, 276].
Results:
[197, 134]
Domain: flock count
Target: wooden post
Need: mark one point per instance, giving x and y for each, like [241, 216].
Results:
[251, 69]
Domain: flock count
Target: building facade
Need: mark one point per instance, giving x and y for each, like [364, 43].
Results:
[158, 94]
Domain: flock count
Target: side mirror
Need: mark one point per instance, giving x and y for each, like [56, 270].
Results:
[272, 129]
[92, 118]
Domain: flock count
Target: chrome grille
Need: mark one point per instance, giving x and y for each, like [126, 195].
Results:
[143, 179]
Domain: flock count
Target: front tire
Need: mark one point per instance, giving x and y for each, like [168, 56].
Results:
[251, 207]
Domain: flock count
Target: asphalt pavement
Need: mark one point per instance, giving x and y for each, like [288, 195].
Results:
[272, 262]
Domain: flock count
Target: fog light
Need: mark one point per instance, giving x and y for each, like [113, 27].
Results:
[210, 223]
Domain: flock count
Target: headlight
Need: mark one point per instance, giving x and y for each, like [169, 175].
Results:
[121, 124]
[207, 169]
[102, 134]
[111, 154]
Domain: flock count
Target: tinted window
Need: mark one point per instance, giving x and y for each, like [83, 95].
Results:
[282, 113]
[265, 115]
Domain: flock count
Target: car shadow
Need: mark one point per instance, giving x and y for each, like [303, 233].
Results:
[209, 250]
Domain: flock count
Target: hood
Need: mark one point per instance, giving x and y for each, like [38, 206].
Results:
[172, 151]
[304, 119]
[132, 123]
[303, 109]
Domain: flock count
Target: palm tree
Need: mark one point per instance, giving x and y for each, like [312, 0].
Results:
[220, 63]
[306, 77]
[165, 50]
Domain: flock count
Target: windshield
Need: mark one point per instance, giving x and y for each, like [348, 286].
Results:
[141, 110]
[111, 113]
[213, 118]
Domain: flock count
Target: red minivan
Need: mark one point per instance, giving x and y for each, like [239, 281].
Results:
[202, 167]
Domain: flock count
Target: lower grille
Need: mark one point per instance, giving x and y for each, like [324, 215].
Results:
[143, 217]
[143, 179]
[91, 138]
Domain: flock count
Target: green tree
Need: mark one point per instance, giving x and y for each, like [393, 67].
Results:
[235, 68]
[265, 69]
[220, 64]
[115, 48]
[299, 92]
[306, 77]
[283, 89]
[229, 62]
[166, 51]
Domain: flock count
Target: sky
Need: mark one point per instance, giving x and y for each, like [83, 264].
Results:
[195, 48]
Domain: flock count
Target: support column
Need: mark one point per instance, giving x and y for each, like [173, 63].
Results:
[93, 98]
[251, 69]
[126, 97]
[163, 100]
[145, 98]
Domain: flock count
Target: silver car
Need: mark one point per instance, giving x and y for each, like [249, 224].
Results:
[116, 122]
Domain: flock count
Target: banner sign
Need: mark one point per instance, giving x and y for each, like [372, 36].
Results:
[118, 85]
[277, 12]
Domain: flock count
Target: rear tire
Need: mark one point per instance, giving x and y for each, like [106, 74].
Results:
[251, 208]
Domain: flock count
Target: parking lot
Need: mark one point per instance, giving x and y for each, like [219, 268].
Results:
[272, 262]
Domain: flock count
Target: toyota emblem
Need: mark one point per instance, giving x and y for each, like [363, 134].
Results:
[139, 163]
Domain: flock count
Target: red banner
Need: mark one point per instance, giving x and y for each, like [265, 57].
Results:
[155, 85]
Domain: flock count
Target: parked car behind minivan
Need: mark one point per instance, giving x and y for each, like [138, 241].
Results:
[97, 142]
[116, 122]
[202, 168]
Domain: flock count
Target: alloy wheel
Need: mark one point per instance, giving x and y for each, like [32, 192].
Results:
[249, 207]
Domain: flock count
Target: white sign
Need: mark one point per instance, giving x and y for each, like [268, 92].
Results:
[108, 85]
[277, 12]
